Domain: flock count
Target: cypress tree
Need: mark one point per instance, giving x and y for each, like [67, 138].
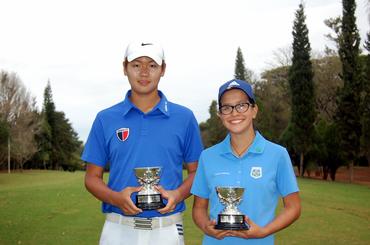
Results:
[212, 130]
[365, 138]
[59, 140]
[47, 138]
[301, 85]
[240, 71]
[348, 113]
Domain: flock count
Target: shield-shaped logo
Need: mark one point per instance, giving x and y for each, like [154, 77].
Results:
[256, 172]
[123, 133]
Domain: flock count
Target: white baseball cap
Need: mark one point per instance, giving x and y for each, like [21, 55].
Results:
[139, 49]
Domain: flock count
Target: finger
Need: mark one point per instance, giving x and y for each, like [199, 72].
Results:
[248, 221]
[161, 190]
[221, 234]
[168, 208]
[212, 222]
[131, 209]
[134, 189]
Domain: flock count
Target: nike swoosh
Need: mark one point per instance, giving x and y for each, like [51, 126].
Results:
[145, 44]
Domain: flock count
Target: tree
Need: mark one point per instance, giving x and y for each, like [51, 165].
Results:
[51, 146]
[348, 113]
[4, 134]
[365, 120]
[18, 110]
[327, 82]
[326, 148]
[68, 143]
[44, 136]
[273, 100]
[241, 71]
[58, 141]
[212, 130]
[302, 88]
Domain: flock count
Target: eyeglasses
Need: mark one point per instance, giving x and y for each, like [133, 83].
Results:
[228, 109]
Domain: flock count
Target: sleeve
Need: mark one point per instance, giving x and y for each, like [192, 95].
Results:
[200, 184]
[193, 145]
[286, 179]
[95, 150]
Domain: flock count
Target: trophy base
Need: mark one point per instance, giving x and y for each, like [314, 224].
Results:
[231, 222]
[149, 202]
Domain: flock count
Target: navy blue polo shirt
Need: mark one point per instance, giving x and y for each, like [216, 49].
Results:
[126, 138]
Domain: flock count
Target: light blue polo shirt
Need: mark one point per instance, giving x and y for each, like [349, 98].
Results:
[127, 138]
[265, 171]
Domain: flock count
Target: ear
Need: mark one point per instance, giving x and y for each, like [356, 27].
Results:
[163, 68]
[124, 67]
[255, 111]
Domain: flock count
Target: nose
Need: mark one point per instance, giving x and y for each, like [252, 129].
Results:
[234, 112]
[144, 71]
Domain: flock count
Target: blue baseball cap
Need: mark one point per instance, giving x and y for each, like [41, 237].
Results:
[236, 84]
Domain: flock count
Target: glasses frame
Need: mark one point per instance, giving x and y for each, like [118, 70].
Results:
[237, 107]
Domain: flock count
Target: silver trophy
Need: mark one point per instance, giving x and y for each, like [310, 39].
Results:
[230, 218]
[148, 198]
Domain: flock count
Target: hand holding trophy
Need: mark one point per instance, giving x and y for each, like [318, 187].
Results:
[148, 198]
[230, 218]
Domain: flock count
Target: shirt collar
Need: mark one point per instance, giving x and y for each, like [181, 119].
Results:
[162, 106]
[257, 147]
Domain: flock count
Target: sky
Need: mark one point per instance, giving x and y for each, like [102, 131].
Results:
[79, 45]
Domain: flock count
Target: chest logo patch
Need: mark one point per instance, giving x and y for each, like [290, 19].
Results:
[123, 133]
[256, 172]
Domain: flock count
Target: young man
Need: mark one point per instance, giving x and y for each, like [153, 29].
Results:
[244, 159]
[145, 130]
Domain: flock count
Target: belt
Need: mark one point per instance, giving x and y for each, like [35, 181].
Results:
[145, 223]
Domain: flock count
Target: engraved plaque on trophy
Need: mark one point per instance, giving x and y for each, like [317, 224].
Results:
[230, 218]
[148, 198]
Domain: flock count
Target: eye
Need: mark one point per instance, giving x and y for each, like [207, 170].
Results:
[242, 106]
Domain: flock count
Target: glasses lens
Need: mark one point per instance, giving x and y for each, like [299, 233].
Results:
[243, 107]
[226, 109]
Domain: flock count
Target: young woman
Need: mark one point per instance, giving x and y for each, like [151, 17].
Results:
[244, 159]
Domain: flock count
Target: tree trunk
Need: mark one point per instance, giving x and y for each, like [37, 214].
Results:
[332, 174]
[351, 171]
[326, 173]
[301, 164]
[9, 154]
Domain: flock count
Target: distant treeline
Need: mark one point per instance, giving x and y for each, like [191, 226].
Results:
[30, 138]
[328, 125]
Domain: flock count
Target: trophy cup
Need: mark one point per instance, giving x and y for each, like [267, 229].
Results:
[230, 218]
[148, 198]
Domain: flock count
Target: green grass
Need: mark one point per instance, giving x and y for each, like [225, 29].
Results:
[50, 207]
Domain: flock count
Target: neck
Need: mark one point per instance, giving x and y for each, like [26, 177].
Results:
[240, 143]
[145, 102]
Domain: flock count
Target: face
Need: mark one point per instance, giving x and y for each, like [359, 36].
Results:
[237, 122]
[144, 74]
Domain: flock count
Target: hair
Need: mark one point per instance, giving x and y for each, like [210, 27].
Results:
[125, 62]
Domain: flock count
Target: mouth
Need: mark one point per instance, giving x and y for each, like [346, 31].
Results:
[143, 82]
[235, 121]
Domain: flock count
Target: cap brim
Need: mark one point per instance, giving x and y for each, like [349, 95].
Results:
[154, 57]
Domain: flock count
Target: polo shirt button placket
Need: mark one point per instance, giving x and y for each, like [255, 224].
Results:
[144, 128]
[239, 173]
